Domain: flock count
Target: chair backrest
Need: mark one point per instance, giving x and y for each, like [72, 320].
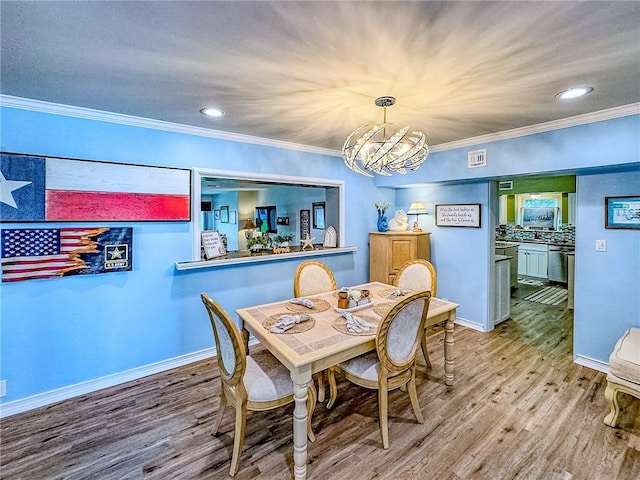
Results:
[230, 348]
[416, 275]
[401, 330]
[313, 277]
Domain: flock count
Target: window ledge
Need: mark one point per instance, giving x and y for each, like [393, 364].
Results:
[236, 258]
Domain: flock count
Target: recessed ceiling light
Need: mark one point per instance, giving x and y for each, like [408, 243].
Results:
[574, 92]
[212, 112]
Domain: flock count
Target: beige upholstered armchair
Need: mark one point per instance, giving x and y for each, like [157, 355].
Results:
[248, 382]
[418, 275]
[624, 373]
[393, 364]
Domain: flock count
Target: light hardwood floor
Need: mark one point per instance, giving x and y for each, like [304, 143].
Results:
[520, 408]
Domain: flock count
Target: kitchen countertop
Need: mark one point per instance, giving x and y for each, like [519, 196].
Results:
[512, 242]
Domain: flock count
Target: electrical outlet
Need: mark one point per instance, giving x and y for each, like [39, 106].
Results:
[3, 388]
[601, 245]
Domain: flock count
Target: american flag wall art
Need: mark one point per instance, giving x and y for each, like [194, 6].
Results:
[46, 189]
[30, 253]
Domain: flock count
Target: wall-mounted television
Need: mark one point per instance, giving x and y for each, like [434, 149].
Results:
[539, 218]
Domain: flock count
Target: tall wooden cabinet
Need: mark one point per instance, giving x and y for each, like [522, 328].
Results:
[389, 250]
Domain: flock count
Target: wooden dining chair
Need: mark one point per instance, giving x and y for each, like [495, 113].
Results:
[248, 382]
[393, 364]
[313, 277]
[418, 275]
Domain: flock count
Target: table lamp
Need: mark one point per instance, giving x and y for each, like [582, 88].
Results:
[417, 208]
[248, 227]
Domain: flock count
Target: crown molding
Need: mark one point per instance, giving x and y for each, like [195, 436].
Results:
[609, 114]
[130, 120]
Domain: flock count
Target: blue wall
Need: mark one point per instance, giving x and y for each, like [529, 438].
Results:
[607, 288]
[461, 256]
[61, 332]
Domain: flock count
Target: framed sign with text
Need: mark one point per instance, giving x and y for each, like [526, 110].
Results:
[460, 215]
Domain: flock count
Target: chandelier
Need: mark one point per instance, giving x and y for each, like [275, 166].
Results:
[369, 149]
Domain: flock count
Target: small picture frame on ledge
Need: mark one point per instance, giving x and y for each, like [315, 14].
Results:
[212, 244]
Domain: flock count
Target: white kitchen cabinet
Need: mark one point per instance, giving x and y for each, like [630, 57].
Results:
[510, 250]
[533, 260]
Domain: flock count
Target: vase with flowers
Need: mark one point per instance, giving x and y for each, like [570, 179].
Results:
[383, 224]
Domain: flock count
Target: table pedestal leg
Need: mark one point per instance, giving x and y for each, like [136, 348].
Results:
[300, 389]
[448, 349]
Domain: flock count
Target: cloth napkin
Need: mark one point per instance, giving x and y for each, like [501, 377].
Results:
[357, 324]
[285, 322]
[400, 292]
[302, 301]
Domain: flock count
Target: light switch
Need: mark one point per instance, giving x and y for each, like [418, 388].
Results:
[601, 245]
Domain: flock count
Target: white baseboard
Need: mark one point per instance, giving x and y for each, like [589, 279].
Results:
[53, 396]
[591, 363]
[469, 324]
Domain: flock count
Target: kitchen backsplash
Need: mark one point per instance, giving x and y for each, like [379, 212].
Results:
[566, 234]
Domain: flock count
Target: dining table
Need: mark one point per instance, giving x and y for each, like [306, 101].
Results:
[324, 340]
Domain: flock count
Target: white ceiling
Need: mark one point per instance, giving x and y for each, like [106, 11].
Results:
[308, 72]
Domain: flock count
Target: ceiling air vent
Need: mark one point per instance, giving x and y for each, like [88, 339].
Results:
[505, 185]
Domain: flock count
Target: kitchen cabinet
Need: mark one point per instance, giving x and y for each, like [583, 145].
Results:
[502, 295]
[510, 250]
[533, 259]
[388, 251]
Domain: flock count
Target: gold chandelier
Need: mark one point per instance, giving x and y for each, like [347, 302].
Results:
[369, 149]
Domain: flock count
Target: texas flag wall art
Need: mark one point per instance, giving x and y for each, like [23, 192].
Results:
[45, 189]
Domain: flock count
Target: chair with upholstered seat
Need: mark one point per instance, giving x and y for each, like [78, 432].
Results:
[313, 277]
[624, 373]
[248, 382]
[418, 275]
[393, 364]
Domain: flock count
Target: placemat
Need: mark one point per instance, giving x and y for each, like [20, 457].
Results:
[382, 308]
[340, 324]
[319, 305]
[297, 328]
[386, 293]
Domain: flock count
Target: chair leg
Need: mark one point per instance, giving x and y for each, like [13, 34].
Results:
[223, 404]
[238, 437]
[383, 406]
[320, 378]
[311, 406]
[333, 388]
[611, 395]
[413, 394]
[425, 352]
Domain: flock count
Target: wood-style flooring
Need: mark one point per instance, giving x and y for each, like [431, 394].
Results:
[520, 409]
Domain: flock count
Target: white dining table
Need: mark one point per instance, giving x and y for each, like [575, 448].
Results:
[323, 345]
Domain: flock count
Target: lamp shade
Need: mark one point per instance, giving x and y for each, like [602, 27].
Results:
[248, 224]
[417, 208]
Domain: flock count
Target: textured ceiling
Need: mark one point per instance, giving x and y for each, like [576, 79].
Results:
[308, 72]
